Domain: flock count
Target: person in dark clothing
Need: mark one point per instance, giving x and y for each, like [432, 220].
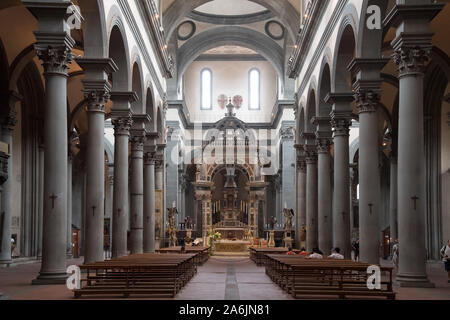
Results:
[355, 247]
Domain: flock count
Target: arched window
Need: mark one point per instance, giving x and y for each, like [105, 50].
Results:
[254, 89]
[206, 89]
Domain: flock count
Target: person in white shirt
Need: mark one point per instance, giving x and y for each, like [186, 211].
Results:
[335, 254]
[315, 254]
[445, 253]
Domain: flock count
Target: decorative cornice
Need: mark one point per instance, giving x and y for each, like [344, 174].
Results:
[156, 32]
[313, 14]
[326, 35]
[125, 6]
[230, 20]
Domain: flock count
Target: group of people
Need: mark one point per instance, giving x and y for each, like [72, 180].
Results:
[317, 253]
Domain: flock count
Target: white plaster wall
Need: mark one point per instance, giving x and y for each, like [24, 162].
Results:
[230, 78]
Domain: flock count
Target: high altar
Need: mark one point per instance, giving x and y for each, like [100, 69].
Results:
[231, 194]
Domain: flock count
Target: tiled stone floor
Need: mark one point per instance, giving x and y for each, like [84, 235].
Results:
[220, 278]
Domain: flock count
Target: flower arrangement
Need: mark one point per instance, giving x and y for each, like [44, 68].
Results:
[213, 237]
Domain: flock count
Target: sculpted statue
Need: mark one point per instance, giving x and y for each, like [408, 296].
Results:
[288, 215]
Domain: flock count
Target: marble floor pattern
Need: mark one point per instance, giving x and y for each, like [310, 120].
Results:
[221, 278]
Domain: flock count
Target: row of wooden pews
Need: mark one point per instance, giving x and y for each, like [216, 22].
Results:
[202, 253]
[321, 278]
[153, 275]
[258, 254]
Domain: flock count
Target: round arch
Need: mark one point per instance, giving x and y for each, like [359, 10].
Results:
[281, 8]
[345, 50]
[230, 35]
[94, 28]
[119, 51]
[310, 106]
[323, 108]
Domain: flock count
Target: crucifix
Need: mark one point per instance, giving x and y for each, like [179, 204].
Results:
[370, 207]
[93, 210]
[415, 198]
[53, 197]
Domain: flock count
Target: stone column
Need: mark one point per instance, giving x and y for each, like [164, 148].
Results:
[301, 196]
[412, 47]
[393, 200]
[341, 120]
[149, 202]
[312, 240]
[122, 121]
[41, 199]
[367, 93]
[9, 120]
[69, 203]
[324, 193]
[97, 93]
[137, 184]
[53, 47]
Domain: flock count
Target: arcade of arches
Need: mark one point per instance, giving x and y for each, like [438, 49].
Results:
[232, 112]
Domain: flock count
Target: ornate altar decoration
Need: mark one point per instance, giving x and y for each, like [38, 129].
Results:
[172, 228]
[229, 191]
[288, 215]
[273, 222]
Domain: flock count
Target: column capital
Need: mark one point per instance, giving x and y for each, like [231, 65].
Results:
[411, 52]
[310, 154]
[301, 164]
[341, 122]
[122, 122]
[159, 161]
[149, 157]
[137, 140]
[287, 133]
[367, 95]
[323, 145]
[97, 98]
[55, 51]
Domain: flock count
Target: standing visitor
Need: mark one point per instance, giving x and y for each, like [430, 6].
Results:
[355, 248]
[445, 253]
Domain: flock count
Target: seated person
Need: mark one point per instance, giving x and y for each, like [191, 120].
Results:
[303, 252]
[315, 254]
[335, 254]
[290, 252]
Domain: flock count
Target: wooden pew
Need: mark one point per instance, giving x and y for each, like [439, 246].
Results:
[326, 277]
[202, 251]
[153, 275]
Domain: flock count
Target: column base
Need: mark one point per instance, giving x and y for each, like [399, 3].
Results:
[50, 279]
[414, 281]
[6, 263]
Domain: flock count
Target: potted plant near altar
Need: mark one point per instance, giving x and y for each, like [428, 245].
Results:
[213, 236]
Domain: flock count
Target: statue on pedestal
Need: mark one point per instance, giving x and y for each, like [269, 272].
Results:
[288, 215]
[172, 228]
[273, 222]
